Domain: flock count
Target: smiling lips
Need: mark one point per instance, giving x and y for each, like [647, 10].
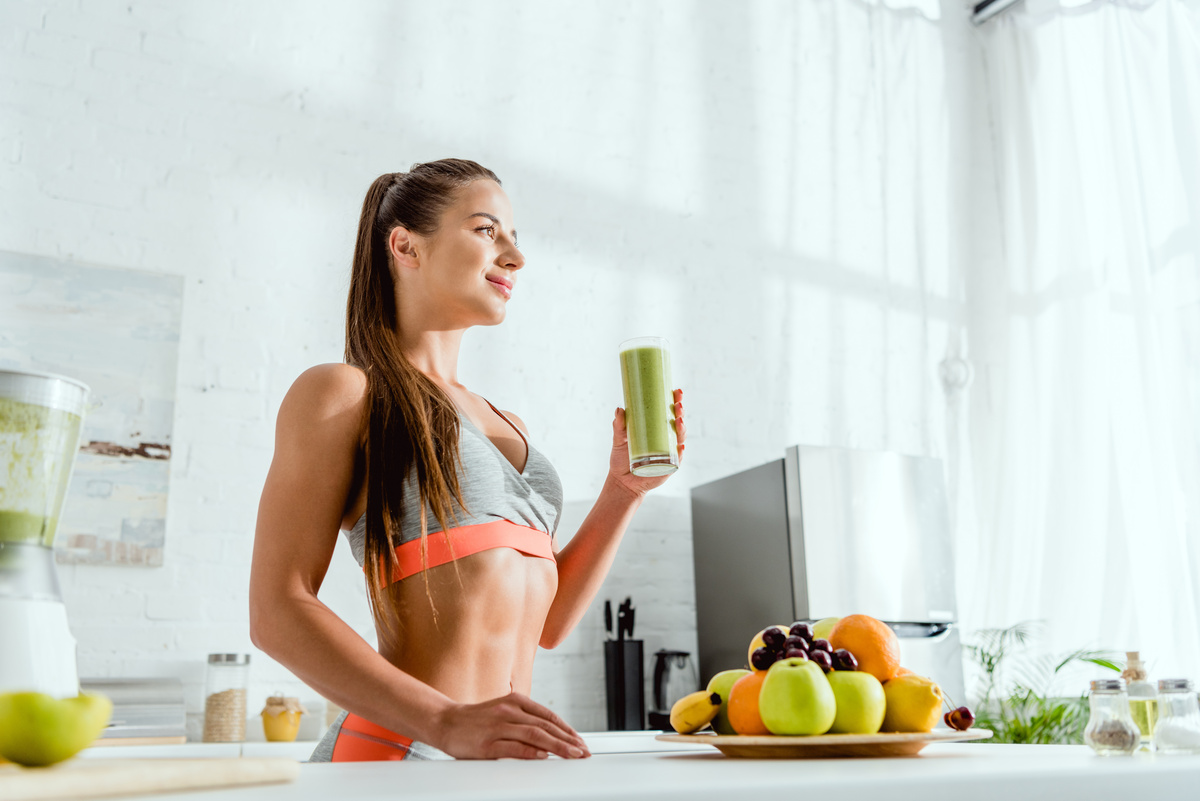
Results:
[503, 285]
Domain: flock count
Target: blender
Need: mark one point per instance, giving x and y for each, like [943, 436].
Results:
[40, 419]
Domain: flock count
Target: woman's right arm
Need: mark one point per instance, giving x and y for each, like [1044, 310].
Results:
[317, 440]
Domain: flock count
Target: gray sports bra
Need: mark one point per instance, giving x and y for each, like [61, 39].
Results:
[492, 489]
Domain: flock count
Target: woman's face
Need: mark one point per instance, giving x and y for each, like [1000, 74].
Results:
[467, 269]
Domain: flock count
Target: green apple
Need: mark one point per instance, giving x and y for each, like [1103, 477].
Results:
[796, 698]
[721, 684]
[860, 702]
[823, 627]
[37, 729]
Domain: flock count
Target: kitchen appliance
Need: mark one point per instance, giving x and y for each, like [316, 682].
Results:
[828, 532]
[674, 677]
[40, 419]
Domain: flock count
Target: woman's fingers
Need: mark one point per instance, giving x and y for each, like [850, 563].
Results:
[513, 726]
[549, 721]
[680, 426]
[535, 735]
[511, 749]
[620, 435]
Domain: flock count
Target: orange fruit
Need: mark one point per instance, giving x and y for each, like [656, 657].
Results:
[872, 642]
[902, 671]
[742, 706]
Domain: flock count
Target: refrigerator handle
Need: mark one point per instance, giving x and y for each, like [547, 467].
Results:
[927, 631]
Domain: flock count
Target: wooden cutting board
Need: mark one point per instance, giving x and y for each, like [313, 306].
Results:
[100, 778]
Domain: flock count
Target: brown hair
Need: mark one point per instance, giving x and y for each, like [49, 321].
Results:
[412, 425]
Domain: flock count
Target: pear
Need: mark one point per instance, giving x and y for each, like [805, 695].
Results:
[37, 729]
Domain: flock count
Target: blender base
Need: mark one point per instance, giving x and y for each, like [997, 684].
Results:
[39, 650]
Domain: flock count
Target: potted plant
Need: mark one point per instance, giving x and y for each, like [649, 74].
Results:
[1027, 713]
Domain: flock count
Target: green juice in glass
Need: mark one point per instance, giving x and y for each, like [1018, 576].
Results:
[649, 406]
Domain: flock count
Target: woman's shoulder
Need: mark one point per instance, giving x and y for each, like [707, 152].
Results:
[517, 421]
[325, 391]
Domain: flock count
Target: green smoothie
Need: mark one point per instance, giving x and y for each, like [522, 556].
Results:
[649, 406]
[37, 453]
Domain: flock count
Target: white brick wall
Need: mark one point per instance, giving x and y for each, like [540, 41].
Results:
[755, 188]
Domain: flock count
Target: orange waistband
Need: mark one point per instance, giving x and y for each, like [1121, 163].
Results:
[443, 547]
[360, 740]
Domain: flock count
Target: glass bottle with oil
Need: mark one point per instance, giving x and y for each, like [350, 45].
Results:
[1143, 697]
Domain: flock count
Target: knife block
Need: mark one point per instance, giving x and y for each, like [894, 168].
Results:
[624, 685]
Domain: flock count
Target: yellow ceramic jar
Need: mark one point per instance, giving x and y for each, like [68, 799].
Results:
[281, 718]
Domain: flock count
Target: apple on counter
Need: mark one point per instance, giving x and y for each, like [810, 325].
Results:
[861, 703]
[796, 698]
[721, 684]
[38, 729]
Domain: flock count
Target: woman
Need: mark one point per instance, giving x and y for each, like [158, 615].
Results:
[445, 501]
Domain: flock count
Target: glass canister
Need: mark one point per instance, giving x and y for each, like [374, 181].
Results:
[225, 698]
[1110, 730]
[1178, 728]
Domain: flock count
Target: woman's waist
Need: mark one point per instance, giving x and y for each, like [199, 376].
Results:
[471, 673]
[482, 614]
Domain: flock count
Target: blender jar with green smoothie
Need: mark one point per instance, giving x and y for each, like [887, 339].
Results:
[40, 416]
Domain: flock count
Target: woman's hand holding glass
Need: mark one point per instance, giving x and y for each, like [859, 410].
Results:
[618, 465]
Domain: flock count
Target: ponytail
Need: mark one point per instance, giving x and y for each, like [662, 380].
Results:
[412, 424]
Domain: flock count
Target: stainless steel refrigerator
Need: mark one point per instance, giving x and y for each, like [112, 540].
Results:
[828, 532]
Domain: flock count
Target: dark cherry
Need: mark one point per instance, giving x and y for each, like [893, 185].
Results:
[821, 645]
[946, 720]
[795, 653]
[773, 638]
[801, 630]
[762, 658]
[822, 659]
[844, 660]
[962, 718]
[796, 642]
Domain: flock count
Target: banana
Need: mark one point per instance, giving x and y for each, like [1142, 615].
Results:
[694, 711]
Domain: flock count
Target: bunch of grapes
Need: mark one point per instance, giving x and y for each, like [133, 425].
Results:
[799, 643]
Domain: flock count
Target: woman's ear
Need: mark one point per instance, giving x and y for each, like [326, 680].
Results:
[402, 247]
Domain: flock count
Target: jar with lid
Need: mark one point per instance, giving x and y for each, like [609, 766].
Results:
[281, 718]
[1111, 730]
[1178, 727]
[225, 698]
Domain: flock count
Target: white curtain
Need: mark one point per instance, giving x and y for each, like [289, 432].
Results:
[1085, 411]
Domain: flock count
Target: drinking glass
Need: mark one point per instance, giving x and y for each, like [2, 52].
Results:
[649, 406]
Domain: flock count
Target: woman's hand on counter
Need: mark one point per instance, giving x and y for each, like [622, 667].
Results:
[513, 726]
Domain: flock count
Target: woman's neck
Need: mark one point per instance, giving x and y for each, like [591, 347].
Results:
[434, 353]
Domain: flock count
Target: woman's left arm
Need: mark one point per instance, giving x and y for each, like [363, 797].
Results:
[585, 561]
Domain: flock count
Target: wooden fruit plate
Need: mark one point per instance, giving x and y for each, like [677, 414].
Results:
[822, 746]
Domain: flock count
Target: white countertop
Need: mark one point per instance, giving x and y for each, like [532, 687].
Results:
[958, 771]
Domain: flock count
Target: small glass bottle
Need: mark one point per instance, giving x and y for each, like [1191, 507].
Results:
[1143, 697]
[1110, 730]
[225, 698]
[1178, 728]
